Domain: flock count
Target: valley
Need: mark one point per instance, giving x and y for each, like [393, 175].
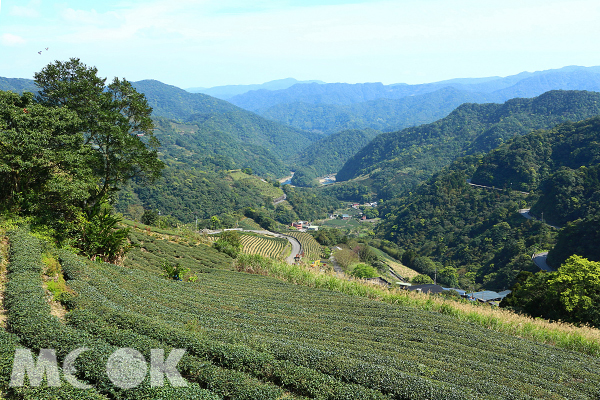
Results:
[278, 237]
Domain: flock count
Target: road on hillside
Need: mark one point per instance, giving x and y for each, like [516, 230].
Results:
[526, 214]
[296, 248]
[539, 259]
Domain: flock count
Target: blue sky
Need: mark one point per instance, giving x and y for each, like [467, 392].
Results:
[216, 42]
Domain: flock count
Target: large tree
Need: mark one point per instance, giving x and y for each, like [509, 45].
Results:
[570, 294]
[115, 125]
[42, 161]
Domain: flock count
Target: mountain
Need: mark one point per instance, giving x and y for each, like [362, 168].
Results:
[534, 83]
[228, 91]
[384, 115]
[219, 116]
[398, 161]
[327, 155]
[479, 231]
[332, 107]
[17, 85]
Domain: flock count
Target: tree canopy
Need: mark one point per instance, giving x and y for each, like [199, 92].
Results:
[115, 127]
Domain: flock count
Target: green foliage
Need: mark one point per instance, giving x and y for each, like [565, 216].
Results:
[43, 168]
[476, 230]
[150, 217]
[101, 237]
[571, 294]
[305, 177]
[580, 237]
[261, 217]
[330, 236]
[229, 242]
[216, 117]
[187, 191]
[115, 133]
[363, 270]
[285, 215]
[398, 161]
[310, 204]
[174, 271]
[421, 280]
[329, 154]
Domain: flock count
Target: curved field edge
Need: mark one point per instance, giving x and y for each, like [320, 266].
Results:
[563, 335]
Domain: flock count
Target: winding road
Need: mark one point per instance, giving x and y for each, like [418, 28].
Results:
[296, 246]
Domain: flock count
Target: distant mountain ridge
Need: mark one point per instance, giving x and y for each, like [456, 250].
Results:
[227, 91]
[398, 161]
[408, 105]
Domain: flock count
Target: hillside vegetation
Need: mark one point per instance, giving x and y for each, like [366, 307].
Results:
[398, 161]
[328, 154]
[479, 231]
[249, 336]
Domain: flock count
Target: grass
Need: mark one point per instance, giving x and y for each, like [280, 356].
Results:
[266, 188]
[567, 336]
[394, 264]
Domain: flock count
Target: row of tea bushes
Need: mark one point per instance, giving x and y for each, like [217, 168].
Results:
[397, 351]
[30, 319]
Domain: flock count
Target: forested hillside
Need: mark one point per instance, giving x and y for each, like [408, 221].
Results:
[327, 155]
[398, 161]
[479, 232]
[220, 117]
[17, 85]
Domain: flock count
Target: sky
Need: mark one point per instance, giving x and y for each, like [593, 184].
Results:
[207, 43]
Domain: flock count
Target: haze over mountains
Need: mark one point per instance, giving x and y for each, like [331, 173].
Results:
[228, 91]
[332, 107]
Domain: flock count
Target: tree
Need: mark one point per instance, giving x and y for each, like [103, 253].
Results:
[215, 222]
[117, 140]
[230, 243]
[150, 217]
[364, 271]
[570, 294]
[421, 280]
[577, 284]
[42, 168]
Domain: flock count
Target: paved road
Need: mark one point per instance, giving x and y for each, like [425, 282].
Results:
[492, 187]
[540, 260]
[296, 248]
[526, 214]
[280, 200]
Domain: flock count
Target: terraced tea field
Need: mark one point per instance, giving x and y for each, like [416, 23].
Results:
[311, 248]
[263, 245]
[254, 337]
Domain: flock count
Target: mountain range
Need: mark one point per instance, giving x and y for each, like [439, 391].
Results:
[328, 108]
[228, 91]
[398, 161]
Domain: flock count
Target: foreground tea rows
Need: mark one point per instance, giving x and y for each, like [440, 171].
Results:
[250, 337]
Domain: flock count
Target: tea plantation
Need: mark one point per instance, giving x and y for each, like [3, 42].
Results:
[254, 337]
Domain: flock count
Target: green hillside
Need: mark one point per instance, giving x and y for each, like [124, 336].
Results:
[479, 232]
[199, 144]
[329, 154]
[398, 161]
[189, 191]
[254, 337]
[216, 116]
[17, 85]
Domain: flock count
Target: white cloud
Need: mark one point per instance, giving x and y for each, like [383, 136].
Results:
[31, 10]
[8, 39]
